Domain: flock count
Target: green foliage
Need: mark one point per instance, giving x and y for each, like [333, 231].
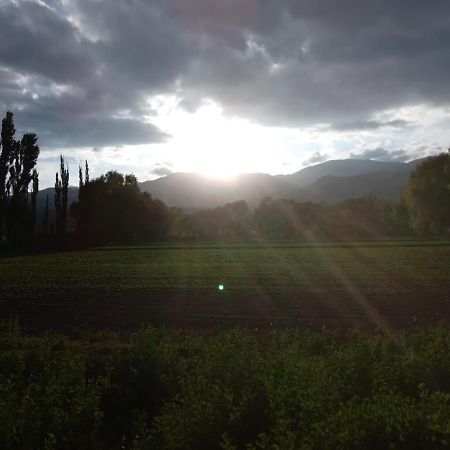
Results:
[167, 390]
[45, 399]
[220, 398]
[427, 195]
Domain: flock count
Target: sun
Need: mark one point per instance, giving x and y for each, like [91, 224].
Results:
[220, 168]
[212, 144]
[219, 143]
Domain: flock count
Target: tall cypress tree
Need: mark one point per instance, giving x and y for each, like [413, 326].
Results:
[23, 159]
[58, 190]
[80, 180]
[6, 146]
[34, 192]
[22, 162]
[61, 197]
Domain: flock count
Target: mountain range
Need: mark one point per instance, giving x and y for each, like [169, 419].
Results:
[328, 182]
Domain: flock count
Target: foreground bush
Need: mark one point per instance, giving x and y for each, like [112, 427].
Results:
[168, 390]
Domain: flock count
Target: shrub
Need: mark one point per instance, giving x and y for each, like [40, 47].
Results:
[168, 390]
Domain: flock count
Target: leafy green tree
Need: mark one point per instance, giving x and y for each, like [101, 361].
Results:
[427, 195]
[397, 217]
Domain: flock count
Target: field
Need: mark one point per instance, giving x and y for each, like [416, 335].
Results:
[195, 385]
[378, 284]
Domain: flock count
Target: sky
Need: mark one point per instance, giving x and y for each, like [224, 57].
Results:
[224, 87]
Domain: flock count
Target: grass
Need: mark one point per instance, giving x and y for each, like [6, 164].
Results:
[284, 268]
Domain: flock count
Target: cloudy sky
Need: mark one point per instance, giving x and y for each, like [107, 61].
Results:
[222, 87]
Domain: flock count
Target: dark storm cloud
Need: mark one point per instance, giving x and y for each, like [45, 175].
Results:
[84, 131]
[51, 77]
[368, 125]
[34, 40]
[288, 63]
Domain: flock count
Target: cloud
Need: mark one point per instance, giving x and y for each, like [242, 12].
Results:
[381, 154]
[316, 158]
[52, 78]
[84, 63]
[325, 62]
[84, 131]
[369, 125]
[162, 169]
[37, 41]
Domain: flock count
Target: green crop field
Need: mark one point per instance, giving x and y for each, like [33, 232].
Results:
[192, 384]
[262, 284]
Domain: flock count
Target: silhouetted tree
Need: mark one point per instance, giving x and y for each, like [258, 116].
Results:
[34, 192]
[20, 215]
[6, 145]
[111, 208]
[427, 195]
[80, 180]
[61, 197]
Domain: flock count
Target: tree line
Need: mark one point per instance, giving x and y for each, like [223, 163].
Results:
[111, 208]
[422, 210]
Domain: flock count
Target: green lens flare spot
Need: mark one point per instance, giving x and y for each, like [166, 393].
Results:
[221, 287]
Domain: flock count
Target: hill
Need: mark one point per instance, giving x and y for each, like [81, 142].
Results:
[190, 190]
[331, 189]
[345, 168]
[329, 182]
